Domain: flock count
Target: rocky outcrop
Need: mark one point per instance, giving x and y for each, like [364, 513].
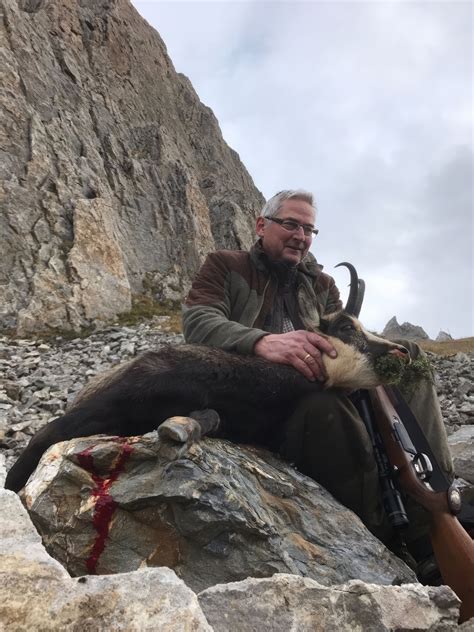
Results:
[443, 336]
[213, 511]
[412, 332]
[36, 593]
[114, 178]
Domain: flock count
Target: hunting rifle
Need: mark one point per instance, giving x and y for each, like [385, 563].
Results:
[452, 545]
[401, 464]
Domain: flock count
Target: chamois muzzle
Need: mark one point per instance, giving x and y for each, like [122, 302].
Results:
[401, 352]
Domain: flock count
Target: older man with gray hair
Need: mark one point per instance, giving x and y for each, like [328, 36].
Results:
[268, 302]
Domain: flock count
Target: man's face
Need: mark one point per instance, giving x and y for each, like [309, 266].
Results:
[280, 244]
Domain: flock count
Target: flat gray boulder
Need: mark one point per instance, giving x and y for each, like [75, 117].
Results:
[213, 511]
[285, 602]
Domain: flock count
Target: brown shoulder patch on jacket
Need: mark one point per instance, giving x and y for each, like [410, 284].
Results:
[209, 284]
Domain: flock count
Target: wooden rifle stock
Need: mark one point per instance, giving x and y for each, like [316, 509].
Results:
[452, 545]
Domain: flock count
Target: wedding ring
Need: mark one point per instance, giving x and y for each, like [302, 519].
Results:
[308, 355]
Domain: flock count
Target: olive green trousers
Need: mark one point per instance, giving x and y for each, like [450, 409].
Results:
[327, 440]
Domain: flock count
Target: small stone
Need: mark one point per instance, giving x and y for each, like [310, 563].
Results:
[127, 348]
[12, 389]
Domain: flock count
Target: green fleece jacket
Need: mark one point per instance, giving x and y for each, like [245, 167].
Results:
[235, 291]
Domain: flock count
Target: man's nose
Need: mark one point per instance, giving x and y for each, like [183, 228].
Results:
[299, 233]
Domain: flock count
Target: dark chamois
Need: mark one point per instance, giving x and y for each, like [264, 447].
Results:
[251, 396]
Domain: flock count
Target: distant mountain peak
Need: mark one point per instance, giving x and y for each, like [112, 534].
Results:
[442, 336]
[413, 332]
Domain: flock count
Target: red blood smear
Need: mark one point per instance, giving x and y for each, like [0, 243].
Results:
[105, 505]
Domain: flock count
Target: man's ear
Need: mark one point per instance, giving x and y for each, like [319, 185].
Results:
[260, 226]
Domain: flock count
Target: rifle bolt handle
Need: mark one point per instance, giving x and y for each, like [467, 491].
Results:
[454, 500]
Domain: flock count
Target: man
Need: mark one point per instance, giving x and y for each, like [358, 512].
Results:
[239, 297]
[268, 302]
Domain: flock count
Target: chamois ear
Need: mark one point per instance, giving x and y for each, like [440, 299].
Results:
[323, 326]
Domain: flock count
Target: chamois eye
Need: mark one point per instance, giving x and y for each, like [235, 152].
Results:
[348, 328]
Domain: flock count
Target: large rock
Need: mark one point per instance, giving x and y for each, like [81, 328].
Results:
[411, 332]
[285, 602]
[114, 177]
[36, 592]
[214, 512]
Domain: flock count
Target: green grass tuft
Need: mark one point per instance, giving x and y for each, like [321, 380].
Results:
[394, 370]
[390, 368]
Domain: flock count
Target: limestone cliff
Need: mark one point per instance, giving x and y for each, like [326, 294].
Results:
[114, 177]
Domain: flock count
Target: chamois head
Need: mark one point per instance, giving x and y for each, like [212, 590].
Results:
[357, 348]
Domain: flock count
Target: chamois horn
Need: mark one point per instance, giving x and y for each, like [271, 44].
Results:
[356, 292]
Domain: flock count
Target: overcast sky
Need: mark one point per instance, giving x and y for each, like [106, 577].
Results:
[368, 105]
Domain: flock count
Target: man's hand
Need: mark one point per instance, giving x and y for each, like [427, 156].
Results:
[301, 349]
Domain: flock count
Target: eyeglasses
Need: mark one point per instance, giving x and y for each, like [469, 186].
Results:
[292, 226]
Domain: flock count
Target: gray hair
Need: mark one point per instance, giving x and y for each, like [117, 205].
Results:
[275, 203]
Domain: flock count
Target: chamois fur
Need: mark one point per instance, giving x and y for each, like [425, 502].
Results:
[252, 396]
